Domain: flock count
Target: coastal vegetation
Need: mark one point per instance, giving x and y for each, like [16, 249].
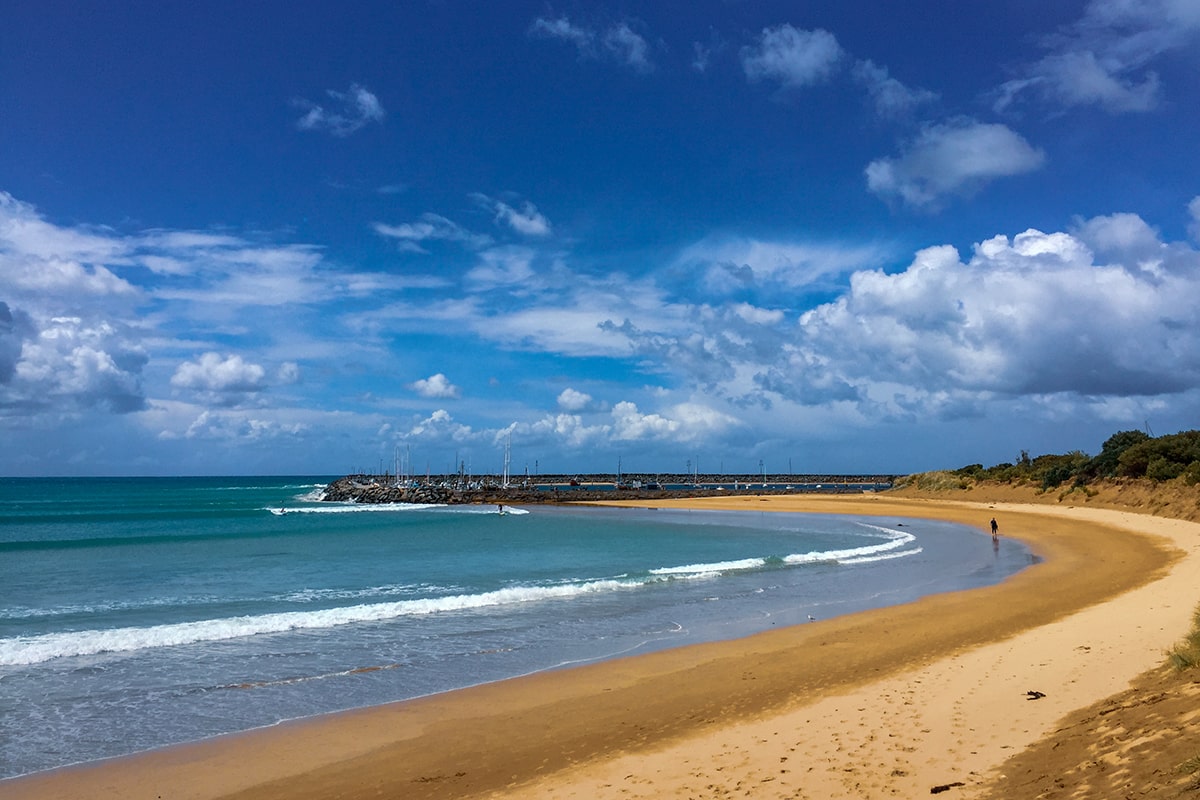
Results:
[1126, 454]
[1186, 654]
[1157, 475]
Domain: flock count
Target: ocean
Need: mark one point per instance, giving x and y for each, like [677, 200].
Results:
[142, 612]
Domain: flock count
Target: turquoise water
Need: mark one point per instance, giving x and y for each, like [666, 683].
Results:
[136, 613]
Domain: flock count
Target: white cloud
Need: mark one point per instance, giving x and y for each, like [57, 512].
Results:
[686, 422]
[51, 265]
[440, 426]
[213, 373]
[236, 426]
[1194, 225]
[618, 42]
[952, 158]
[435, 386]
[892, 99]
[727, 262]
[573, 400]
[23, 230]
[627, 47]
[430, 227]
[69, 337]
[1103, 58]
[629, 423]
[501, 266]
[1036, 314]
[75, 363]
[560, 430]
[758, 316]
[792, 57]
[564, 30]
[527, 220]
[354, 110]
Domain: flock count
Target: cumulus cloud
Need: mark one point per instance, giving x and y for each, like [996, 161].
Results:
[352, 110]
[792, 57]
[75, 363]
[1104, 58]
[226, 379]
[66, 341]
[440, 426]
[435, 386]
[891, 98]
[686, 422]
[559, 430]
[1194, 225]
[1103, 311]
[1035, 314]
[618, 42]
[952, 158]
[573, 400]
[236, 425]
[629, 423]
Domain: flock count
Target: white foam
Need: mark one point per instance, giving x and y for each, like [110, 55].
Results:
[882, 557]
[714, 568]
[35, 649]
[893, 540]
[351, 508]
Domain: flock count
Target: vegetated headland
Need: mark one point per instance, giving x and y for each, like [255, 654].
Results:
[537, 489]
[1133, 470]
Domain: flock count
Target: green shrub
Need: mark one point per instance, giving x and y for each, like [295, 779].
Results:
[1107, 463]
[1161, 469]
[1161, 459]
[1191, 475]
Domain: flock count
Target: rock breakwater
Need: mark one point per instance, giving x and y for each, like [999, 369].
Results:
[558, 489]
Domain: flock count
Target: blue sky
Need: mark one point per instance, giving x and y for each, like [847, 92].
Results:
[243, 238]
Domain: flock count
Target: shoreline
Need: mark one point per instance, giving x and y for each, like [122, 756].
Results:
[570, 732]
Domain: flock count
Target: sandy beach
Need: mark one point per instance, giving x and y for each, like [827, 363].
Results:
[888, 703]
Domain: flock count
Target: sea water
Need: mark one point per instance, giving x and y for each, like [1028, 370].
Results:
[137, 613]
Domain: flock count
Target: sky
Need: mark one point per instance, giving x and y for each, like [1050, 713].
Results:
[853, 236]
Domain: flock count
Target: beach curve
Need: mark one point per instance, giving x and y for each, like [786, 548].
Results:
[893, 701]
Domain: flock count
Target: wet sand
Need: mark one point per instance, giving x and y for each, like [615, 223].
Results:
[887, 703]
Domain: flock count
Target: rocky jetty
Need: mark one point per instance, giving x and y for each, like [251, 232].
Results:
[447, 490]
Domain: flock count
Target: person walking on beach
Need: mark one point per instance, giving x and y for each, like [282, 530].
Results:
[995, 530]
